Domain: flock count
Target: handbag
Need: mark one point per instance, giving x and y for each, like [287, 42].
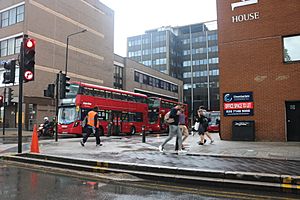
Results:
[196, 126]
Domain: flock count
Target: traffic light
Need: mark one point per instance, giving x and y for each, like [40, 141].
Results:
[9, 74]
[64, 85]
[10, 96]
[1, 100]
[29, 59]
[50, 91]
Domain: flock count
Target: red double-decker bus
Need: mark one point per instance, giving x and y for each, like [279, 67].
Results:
[125, 111]
[158, 107]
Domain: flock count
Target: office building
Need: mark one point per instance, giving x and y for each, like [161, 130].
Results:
[189, 53]
[259, 43]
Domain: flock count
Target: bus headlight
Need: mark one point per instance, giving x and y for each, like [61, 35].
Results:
[76, 124]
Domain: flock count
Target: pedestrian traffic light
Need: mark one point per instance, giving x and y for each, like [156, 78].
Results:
[64, 85]
[50, 91]
[9, 74]
[29, 59]
[1, 100]
[10, 96]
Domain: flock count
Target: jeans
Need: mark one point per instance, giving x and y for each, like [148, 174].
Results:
[174, 131]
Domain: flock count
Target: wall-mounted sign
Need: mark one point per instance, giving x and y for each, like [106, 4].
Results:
[238, 104]
[244, 17]
[243, 3]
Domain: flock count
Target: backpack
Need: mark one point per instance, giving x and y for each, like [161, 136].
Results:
[167, 118]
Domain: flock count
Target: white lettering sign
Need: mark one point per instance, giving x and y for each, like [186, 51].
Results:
[245, 17]
[243, 3]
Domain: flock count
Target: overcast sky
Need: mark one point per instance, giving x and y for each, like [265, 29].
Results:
[134, 17]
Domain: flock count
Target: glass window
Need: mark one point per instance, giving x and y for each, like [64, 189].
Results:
[67, 115]
[20, 13]
[291, 48]
[4, 20]
[18, 45]
[73, 91]
[11, 46]
[12, 16]
[4, 48]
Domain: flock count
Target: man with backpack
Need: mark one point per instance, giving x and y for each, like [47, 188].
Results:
[173, 120]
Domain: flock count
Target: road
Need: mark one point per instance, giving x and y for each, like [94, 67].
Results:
[24, 184]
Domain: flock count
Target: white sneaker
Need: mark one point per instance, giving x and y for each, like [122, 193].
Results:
[181, 151]
[160, 148]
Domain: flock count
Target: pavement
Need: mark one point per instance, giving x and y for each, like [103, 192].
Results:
[260, 164]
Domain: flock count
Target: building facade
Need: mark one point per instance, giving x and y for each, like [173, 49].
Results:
[189, 53]
[259, 51]
[136, 77]
[90, 54]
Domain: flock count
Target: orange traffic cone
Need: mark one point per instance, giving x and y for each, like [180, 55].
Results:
[34, 141]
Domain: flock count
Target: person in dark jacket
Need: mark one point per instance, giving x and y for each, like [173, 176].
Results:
[173, 129]
[202, 130]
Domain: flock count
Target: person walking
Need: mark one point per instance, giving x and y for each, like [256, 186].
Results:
[182, 126]
[202, 130]
[92, 126]
[173, 129]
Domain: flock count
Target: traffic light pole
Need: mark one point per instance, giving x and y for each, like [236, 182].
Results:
[3, 123]
[20, 103]
[56, 107]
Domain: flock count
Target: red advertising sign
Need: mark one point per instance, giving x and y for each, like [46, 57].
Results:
[238, 105]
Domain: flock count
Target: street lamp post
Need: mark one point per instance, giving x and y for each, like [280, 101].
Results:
[67, 48]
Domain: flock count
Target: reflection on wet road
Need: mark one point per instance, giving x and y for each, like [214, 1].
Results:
[23, 184]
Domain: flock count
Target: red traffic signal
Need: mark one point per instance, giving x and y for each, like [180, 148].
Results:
[29, 43]
[29, 59]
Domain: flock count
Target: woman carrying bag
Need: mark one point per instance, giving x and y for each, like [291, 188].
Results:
[203, 124]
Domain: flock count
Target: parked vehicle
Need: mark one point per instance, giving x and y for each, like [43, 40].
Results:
[214, 123]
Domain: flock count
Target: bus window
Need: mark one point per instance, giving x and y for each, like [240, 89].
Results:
[116, 96]
[124, 117]
[124, 97]
[139, 117]
[99, 93]
[67, 115]
[108, 94]
[74, 88]
[130, 97]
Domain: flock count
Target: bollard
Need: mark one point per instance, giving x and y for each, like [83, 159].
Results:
[109, 129]
[144, 134]
[176, 145]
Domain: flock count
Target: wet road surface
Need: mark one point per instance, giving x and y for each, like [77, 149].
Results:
[24, 184]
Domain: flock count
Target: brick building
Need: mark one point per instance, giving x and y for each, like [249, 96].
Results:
[259, 52]
[90, 54]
